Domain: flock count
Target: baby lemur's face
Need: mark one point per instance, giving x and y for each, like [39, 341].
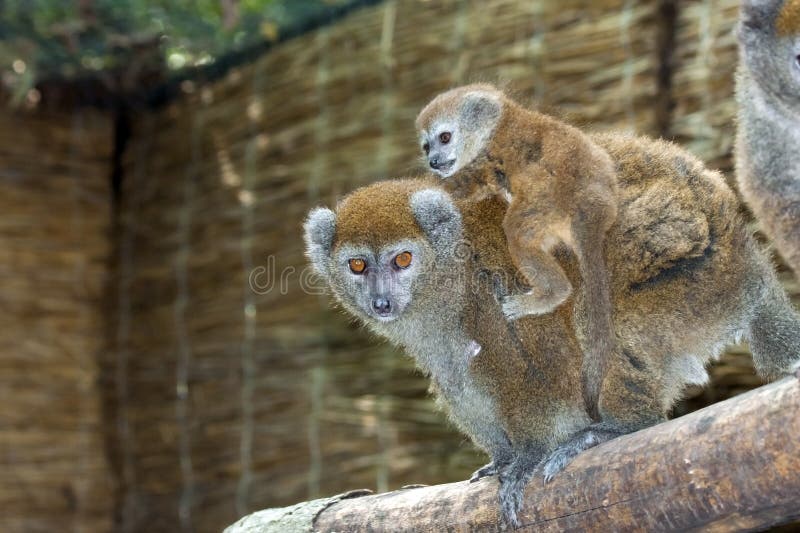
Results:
[456, 126]
[769, 33]
[378, 251]
[443, 145]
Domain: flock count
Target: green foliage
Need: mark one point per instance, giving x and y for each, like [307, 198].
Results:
[67, 38]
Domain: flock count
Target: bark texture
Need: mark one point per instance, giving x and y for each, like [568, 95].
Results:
[732, 466]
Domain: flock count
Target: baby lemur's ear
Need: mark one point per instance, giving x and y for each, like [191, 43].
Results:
[438, 218]
[480, 107]
[319, 229]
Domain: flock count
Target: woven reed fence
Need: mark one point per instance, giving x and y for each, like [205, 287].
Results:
[229, 386]
[54, 247]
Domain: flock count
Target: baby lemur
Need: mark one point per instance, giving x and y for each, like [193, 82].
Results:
[561, 188]
[768, 126]
[427, 271]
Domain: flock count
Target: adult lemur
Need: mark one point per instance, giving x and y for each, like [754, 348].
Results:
[561, 188]
[768, 136]
[428, 271]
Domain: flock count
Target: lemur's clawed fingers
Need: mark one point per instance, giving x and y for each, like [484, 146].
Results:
[583, 440]
[558, 461]
[485, 471]
[513, 479]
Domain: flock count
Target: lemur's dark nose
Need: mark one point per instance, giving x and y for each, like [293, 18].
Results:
[434, 162]
[382, 306]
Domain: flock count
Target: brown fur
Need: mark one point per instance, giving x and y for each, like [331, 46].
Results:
[563, 190]
[788, 21]
[385, 221]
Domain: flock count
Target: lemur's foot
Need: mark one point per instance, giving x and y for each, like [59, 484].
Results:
[584, 439]
[559, 459]
[513, 307]
[490, 469]
[498, 463]
[516, 306]
[513, 480]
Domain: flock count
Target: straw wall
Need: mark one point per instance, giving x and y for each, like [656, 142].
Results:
[704, 62]
[54, 228]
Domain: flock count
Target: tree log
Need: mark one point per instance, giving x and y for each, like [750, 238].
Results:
[729, 467]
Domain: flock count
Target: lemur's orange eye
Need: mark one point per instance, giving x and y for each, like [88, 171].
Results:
[357, 266]
[403, 259]
[426, 147]
[444, 137]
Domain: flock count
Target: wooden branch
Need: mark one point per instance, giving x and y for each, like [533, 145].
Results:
[732, 466]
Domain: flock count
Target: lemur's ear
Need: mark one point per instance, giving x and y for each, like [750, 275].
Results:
[438, 217]
[480, 107]
[760, 14]
[319, 229]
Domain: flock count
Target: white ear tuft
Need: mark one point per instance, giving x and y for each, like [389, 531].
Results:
[318, 232]
[438, 218]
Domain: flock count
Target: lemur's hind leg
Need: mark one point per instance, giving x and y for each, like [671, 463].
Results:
[588, 437]
[629, 401]
[500, 459]
[490, 469]
[527, 245]
[513, 480]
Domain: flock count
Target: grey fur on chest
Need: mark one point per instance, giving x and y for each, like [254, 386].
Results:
[444, 353]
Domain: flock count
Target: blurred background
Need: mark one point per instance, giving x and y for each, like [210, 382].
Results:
[163, 365]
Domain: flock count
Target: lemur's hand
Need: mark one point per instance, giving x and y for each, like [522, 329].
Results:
[490, 469]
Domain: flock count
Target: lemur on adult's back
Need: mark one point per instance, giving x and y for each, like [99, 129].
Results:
[561, 188]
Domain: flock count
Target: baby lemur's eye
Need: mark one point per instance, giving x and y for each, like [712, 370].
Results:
[444, 137]
[402, 260]
[426, 147]
[357, 266]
